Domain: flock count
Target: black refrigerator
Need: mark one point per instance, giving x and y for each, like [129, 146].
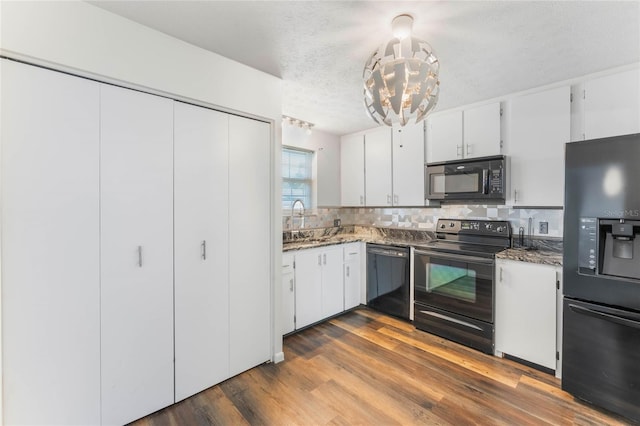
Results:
[601, 272]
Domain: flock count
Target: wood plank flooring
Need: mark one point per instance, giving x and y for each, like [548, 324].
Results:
[365, 368]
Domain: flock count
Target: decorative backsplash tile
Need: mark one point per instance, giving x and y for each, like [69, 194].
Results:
[426, 218]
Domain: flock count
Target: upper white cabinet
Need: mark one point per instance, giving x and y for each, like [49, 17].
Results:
[352, 170]
[444, 137]
[471, 133]
[201, 248]
[408, 165]
[482, 131]
[136, 187]
[249, 243]
[50, 247]
[378, 185]
[539, 126]
[526, 315]
[612, 105]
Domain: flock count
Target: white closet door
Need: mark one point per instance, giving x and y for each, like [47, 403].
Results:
[201, 248]
[250, 256]
[50, 243]
[136, 254]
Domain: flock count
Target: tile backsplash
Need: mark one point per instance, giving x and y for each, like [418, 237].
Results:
[426, 218]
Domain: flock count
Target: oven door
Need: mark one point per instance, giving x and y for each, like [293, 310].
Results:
[455, 283]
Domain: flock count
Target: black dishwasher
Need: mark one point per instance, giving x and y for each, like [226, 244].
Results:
[388, 288]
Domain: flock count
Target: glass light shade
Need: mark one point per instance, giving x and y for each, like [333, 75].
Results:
[401, 81]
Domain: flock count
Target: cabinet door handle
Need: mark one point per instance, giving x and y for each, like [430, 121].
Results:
[515, 195]
[324, 256]
[347, 271]
[469, 149]
[362, 200]
[319, 260]
[291, 284]
[458, 150]
[501, 274]
[140, 256]
[388, 199]
[204, 250]
[396, 199]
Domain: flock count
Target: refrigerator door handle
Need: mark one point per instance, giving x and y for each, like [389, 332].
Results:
[604, 316]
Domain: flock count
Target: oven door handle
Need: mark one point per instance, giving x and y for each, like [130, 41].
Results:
[604, 316]
[459, 257]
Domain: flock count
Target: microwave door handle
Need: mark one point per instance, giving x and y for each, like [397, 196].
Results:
[485, 181]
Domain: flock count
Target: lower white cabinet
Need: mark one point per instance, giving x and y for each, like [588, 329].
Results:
[324, 281]
[288, 294]
[352, 275]
[526, 311]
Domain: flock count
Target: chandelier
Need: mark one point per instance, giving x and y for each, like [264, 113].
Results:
[401, 77]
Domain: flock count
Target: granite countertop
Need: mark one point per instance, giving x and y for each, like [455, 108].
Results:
[547, 254]
[541, 256]
[311, 238]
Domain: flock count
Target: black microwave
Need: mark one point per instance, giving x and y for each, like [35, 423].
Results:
[477, 180]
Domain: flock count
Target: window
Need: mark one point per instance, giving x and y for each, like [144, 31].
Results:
[296, 177]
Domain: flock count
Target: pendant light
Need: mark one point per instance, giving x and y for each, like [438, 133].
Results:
[401, 77]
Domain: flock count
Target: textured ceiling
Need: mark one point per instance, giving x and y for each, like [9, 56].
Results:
[486, 49]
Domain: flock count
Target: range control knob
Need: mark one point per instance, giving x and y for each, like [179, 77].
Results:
[499, 229]
[442, 226]
[451, 224]
[488, 225]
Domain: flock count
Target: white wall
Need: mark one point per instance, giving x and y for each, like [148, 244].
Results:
[82, 39]
[326, 162]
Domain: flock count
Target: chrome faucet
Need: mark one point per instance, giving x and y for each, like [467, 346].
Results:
[293, 207]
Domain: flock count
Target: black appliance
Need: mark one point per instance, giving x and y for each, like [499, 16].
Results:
[601, 270]
[454, 281]
[480, 179]
[388, 286]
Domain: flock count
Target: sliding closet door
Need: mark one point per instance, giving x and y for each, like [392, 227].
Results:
[136, 253]
[50, 247]
[201, 248]
[249, 243]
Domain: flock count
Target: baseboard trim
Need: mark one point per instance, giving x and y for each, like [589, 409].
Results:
[279, 357]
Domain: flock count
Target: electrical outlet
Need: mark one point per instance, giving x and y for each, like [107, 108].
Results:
[336, 222]
[544, 227]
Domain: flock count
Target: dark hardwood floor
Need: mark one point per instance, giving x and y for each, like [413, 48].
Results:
[370, 369]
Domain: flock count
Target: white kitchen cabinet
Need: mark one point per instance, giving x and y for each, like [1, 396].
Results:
[377, 165]
[352, 171]
[444, 137]
[136, 186]
[50, 247]
[481, 131]
[539, 126]
[525, 317]
[332, 281]
[250, 261]
[319, 284]
[288, 294]
[200, 249]
[612, 105]
[308, 286]
[472, 133]
[408, 165]
[352, 275]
